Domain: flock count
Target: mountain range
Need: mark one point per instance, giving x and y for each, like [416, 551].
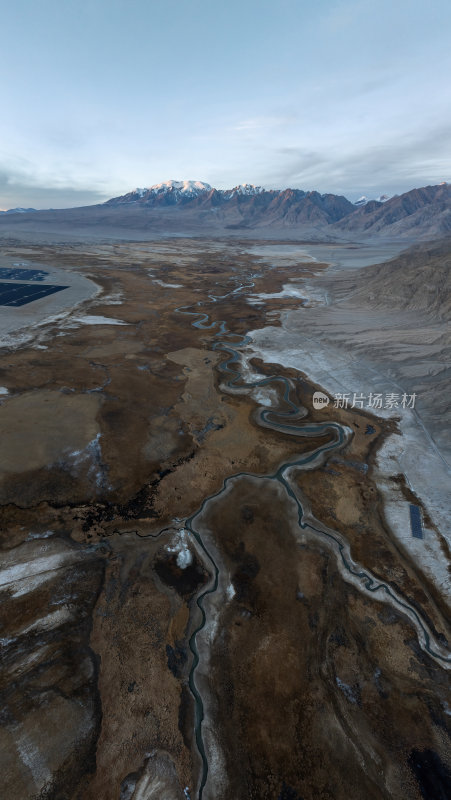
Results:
[197, 207]
[252, 203]
[429, 207]
[426, 210]
[17, 211]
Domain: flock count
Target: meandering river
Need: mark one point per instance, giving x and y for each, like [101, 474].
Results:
[286, 421]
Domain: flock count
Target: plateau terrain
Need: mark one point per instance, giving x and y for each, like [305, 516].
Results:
[225, 497]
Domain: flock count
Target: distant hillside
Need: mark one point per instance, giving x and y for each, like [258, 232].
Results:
[417, 280]
[425, 211]
[18, 211]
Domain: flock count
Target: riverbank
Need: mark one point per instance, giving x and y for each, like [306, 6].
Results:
[345, 350]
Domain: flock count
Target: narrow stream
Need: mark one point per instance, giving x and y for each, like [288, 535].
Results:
[279, 420]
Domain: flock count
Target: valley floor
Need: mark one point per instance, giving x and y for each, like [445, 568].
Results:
[209, 587]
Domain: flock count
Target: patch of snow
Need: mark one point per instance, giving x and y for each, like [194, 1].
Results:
[32, 535]
[27, 585]
[52, 620]
[288, 290]
[113, 299]
[32, 757]
[362, 201]
[92, 319]
[266, 396]
[36, 566]
[179, 544]
[16, 339]
[168, 285]
[184, 558]
[4, 390]
[230, 592]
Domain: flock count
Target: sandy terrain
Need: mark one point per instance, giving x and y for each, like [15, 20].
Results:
[344, 344]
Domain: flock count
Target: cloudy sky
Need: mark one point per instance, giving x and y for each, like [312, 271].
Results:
[101, 96]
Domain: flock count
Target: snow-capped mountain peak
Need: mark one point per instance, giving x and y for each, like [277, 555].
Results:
[184, 187]
[362, 201]
[166, 193]
[174, 191]
[247, 189]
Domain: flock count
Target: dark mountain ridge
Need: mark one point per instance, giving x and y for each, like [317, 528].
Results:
[254, 204]
[423, 208]
[196, 207]
[427, 208]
